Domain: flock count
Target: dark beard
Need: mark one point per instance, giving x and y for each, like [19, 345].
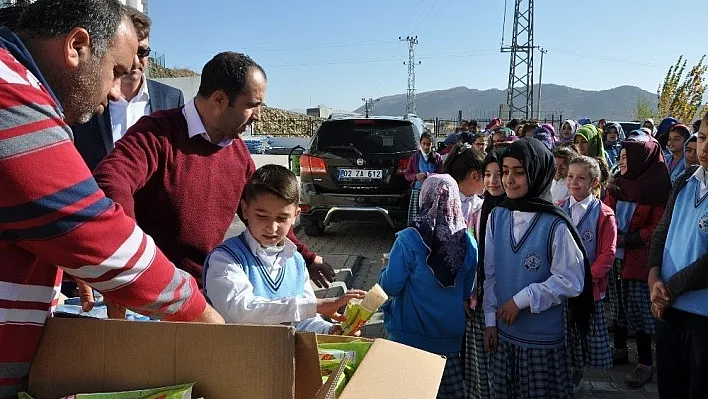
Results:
[78, 90]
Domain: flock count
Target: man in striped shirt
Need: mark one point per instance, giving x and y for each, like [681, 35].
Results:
[57, 66]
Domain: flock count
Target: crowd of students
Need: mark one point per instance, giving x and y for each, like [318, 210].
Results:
[515, 253]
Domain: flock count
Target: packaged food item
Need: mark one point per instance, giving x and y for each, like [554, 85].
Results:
[332, 355]
[359, 311]
[174, 392]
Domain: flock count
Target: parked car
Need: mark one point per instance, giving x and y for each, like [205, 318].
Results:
[353, 171]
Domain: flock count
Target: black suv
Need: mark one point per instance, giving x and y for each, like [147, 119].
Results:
[353, 171]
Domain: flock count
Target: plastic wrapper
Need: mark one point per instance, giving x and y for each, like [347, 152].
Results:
[358, 312]
[331, 355]
[173, 392]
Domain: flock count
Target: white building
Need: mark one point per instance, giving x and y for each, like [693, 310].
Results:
[141, 5]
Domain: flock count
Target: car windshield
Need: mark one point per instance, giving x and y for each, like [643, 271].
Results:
[366, 136]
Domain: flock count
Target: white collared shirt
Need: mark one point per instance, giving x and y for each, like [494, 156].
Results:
[559, 190]
[701, 175]
[231, 292]
[578, 209]
[195, 126]
[567, 271]
[124, 113]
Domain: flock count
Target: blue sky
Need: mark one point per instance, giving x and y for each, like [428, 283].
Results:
[336, 52]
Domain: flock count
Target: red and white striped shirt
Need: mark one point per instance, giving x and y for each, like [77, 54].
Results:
[54, 218]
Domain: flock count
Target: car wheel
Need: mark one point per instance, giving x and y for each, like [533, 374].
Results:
[312, 228]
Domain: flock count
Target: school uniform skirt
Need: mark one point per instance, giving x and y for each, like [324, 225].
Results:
[476, 359]
[519, 372]
[452, 385]
[599, 354]
[413, 205]
[635, 307]
[613, 294]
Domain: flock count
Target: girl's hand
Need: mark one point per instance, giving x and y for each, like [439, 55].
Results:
[508, 312]
[660, 299]
[490, 339]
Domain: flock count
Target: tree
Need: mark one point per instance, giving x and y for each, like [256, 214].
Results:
[682, 96]
[644, 110]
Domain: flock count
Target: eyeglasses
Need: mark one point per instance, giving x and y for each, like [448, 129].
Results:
[144, 52]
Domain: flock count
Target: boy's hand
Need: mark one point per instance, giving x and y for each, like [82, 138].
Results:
[490, 339]
[508, 312]
[329, 306]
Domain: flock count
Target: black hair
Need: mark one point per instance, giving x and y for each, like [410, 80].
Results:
[228, 72]
[462, 160]
[427, 135]
[512, 124]
[46, 19]
[566, 153]
[273, 179]
[141, 23]
[529, 127]
[696, 125]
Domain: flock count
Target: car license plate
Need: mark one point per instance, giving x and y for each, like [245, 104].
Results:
[360, 174]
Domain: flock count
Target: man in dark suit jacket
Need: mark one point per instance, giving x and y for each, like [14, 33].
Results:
[140, 96]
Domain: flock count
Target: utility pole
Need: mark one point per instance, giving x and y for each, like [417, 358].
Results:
[410, 95]
[520, 89]
[540, 82]
[369, 105]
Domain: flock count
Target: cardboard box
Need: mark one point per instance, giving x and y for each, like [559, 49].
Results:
[225, 361]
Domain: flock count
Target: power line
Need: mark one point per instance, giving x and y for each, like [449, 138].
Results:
[479, 53]
[299, 47]
[426, 15]
[608, 59]
[420, 4]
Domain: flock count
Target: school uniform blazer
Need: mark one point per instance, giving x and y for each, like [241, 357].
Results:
[636, 242]
[94, 139]
[605, 252]
[412, 168]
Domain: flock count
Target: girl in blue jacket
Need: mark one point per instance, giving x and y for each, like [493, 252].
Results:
[429, 278]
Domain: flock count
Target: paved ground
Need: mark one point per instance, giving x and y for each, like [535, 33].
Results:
[355, 251]
[371, 241]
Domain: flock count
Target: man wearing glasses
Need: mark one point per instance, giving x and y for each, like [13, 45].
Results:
[140, 96]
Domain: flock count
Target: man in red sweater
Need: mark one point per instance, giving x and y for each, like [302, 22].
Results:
[57, 66]
[181, 172]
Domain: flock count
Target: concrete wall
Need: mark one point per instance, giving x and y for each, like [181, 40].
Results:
[189, 86]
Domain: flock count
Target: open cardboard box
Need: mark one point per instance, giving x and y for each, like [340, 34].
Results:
[225, 361]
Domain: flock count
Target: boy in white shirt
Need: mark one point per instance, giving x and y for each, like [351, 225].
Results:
[259, 277]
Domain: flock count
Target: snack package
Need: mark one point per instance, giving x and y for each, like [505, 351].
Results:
[331, 355]
[174, 392]
[358, 312]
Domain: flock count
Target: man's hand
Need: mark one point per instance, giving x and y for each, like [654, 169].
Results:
[210, 316]
[490, 339]
[329, 306]
[321, 272]
[508, 312]
[114, 310]
[421, 176]
[85, 295]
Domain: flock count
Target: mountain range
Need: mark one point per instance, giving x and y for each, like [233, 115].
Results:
[618, 103]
